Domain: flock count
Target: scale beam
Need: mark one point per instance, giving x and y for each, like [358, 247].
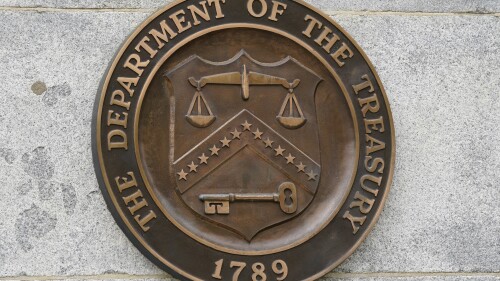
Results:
[245, 79]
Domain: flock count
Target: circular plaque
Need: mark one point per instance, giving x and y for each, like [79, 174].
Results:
[243, 140]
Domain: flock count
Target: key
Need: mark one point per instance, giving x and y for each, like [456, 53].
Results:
[219, 203]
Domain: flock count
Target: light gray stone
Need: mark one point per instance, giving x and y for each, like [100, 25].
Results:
[443, 81]
[421, 277]
[330, 277]
[114, 277]
[455, 6]
[55, 220]
[442, 77]
[329, 6]
[86, 4]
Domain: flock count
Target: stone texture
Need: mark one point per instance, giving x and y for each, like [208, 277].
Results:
[56, 222]
[331, 277]
[455, 6]
[426, 277]
[442, 77]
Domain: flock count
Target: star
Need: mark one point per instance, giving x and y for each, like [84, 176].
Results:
[203, 159]
[214, 150]
[246, 126]
[301, 167]
[192, 167]
[236, 134]
[269, 143]
[182, 175]
[258, 134]
[279, 150]
[312, 176]
[289, 159]
[225, 142]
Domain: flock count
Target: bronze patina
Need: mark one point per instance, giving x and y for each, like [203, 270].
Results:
[243, 140]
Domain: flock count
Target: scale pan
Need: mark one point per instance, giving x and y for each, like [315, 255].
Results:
[200, 121]
[291, 122]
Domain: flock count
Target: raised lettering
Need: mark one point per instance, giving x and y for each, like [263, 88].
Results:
[374, 124]
[118, 98]
[330, 41]
[364, 203]
[369, 104]
[371, 178]
[218, 8]
[116, 120]
[144, 45]
[341, 53]
[143, 221]
[179, 20]
[263, 9]
[125, 183]
[363, 85]
[117, 139]
[375, 163]
[127, 83]
[312, 24]
[276, 10]
[195, 12]
[162, 37]
[138, 201]
[374, 145]
[137, 65]
[354, 220]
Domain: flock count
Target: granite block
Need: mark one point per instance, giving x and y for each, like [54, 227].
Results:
[434, 6]
[443, 81]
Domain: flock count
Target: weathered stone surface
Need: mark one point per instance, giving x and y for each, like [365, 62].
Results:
[425, 277]
[99, 4]
[442, 78]
[55, 221]
[331, 277]
[475, 6]
[472, 6]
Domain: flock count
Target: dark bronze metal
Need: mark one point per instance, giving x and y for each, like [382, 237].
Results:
[243, 140]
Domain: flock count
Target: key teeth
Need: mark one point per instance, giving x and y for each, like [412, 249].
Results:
[217, 207]
[219, 203]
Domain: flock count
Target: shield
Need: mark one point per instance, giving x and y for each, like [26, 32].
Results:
[244, 145]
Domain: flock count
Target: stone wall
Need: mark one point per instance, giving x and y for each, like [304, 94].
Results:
[438, 60]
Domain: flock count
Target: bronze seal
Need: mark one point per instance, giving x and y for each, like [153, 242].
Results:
[243, 140]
